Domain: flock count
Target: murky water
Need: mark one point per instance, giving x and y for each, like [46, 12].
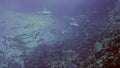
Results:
[44, 32]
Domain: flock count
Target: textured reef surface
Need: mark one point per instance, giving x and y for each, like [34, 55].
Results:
[45, 40]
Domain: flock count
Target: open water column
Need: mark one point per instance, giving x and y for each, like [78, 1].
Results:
[54, 33]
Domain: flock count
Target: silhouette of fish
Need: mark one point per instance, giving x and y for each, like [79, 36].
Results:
[29, 26]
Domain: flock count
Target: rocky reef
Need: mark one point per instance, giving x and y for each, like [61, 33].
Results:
[109, 55]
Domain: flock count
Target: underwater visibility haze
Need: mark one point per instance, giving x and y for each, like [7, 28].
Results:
[59, 33]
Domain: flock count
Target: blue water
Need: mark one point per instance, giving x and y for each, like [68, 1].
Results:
[27, 25]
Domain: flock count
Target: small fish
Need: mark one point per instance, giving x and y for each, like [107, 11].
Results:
[74, 24]
[4, 42]
[28, 26]
[72, 19]
[40, 40]
[20, 41]
[45, 12]
[37, 34]
[64, 31]
[98, 46]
